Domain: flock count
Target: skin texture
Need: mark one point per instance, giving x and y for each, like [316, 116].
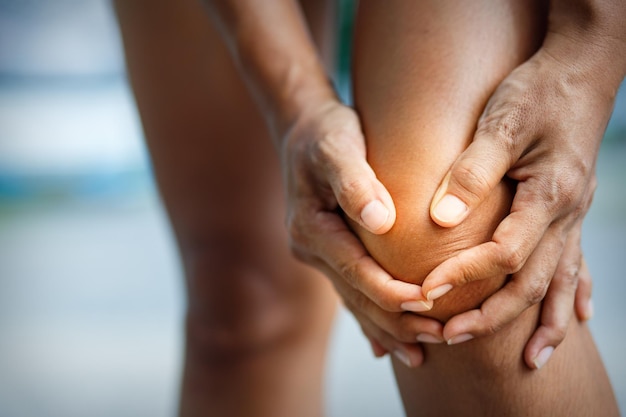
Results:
[322, 156]
[542, 127]
[412, 141]
[420, 84]
[279, 63]
[251, 324]
[257, 322]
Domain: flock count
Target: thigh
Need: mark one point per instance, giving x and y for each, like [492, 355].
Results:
[216, 169]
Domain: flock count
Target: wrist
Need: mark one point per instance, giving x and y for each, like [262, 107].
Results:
[590, 38]
[305, 90]
[276, 57]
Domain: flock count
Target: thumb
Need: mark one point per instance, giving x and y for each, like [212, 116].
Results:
[362, 196]
[472, 177]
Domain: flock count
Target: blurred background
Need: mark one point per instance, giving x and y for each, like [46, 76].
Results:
[91, 298]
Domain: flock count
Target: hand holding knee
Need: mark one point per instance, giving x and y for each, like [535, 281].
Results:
[326, 172]
[542, 127]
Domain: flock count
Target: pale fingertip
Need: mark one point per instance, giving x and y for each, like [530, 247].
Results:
[403, 357]
[428, 338]
[374, 215]
[542, 358]
[460, 339]
[438, 292]
[449, 211]
[416, 306]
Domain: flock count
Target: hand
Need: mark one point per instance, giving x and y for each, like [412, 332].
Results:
[542, 128]
[325, 172]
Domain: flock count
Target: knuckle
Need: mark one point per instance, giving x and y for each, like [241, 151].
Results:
[350, 272]
[535, 291]
[489, 323]
[562, 193]
[558, 332]
[567, 189]
[492, 327]
[569, 275]
[322, 150]
[472, 179]
[470, 272]
[323, 153]
[512, 258]
[352, 189]
[506, 123]
[332, 145]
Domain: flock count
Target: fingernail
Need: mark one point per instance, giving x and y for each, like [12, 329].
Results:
[543, 356]
[428, 338]
[449, 209]
[403, 357]
[374, 215]
[438, 292]
[589, 312]
[460, 339]
[416, 306]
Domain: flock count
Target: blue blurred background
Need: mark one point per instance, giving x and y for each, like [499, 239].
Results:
[91, 299]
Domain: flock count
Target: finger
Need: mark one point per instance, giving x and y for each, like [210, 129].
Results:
[525, 288]
[410, 354]
[378, 349]
[340, 251]
[406, 327]
[515, 238]
[556, 311]
[583, 303]
[475, 173]
[403, 327]
[359, 193]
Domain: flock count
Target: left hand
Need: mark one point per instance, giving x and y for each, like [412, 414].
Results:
[542, 128]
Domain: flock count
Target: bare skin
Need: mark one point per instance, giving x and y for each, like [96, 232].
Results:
[272, 48]
[258, 320]
[422, 76]
[541, 127]
[322, 155]
[251, 325]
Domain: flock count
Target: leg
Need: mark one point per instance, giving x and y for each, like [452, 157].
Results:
[423, 73]
[257, 321]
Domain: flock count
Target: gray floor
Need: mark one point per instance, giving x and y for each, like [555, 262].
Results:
[90, 307]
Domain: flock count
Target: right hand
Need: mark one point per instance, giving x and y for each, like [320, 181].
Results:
[542, 127]
[325, 171]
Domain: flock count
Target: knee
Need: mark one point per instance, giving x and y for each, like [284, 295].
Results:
[243, 296]
[416, 245]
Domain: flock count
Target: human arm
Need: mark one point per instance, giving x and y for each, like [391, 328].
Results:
[542, 127]
[322, 154]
